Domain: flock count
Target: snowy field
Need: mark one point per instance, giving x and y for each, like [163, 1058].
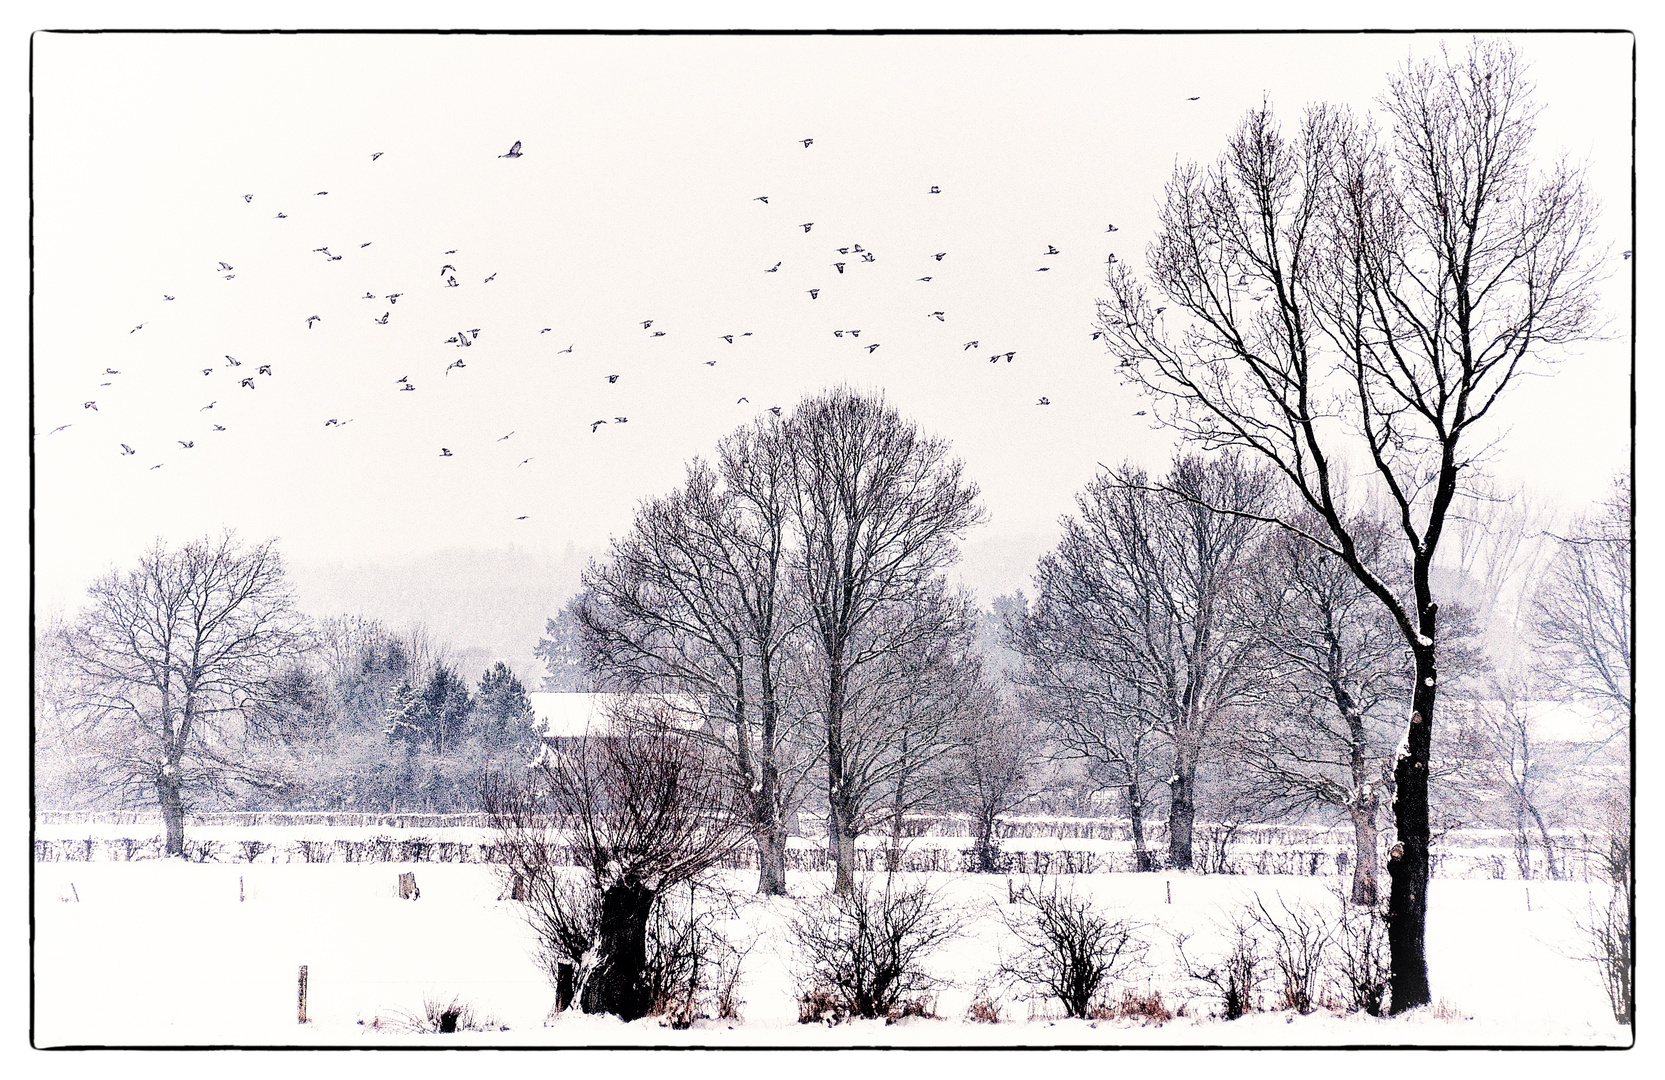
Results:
[169, 953]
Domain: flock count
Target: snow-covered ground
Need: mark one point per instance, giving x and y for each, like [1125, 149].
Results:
[172, 953]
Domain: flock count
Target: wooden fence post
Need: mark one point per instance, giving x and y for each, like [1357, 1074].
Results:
[302, 999]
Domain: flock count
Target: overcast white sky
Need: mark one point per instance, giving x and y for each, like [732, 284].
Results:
[634, 200]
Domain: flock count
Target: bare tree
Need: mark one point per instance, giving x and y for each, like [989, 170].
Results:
[1356, 305]
[170, 654]
[1147, 587]
[1334, 667]
[877, 507]
[1514, 769]
[1583, 609]
[643, 810]
[997, 765]
[694, 600]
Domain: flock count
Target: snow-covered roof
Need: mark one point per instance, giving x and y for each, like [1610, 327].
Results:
[561, 715]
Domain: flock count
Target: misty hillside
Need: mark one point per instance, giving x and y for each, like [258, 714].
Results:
[486, 604]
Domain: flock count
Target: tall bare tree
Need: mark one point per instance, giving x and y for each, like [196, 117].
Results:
[1146, 592]
[169, 656]
[878, 507]
[998, 764]
[694, 600]
[1354, 305]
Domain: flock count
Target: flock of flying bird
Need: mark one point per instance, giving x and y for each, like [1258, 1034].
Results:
[851, 257]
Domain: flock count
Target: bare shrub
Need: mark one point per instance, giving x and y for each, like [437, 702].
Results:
[866, 949]
[1145, 1007]
[442, 1016]
[1299, 937]
[1070, 949]
[1606, 928]
[251, 849]
[1236, 974]
[984, 1009]
[1360, 973]
[692, 969]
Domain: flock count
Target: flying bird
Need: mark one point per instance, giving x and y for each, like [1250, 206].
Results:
[1626, 254]
[281, 215]
[1194, 98]
[938, 256]
[1050, 250]
[366, 244]
[59, 428]
[231, 361]
[407, 386]
[937, 315]
[376, 155]
[969, 346]
[729, 338]
[764, 199]
[136, 329]
[208, 371]
[402, 378]
[621, 419]
[646, 323]
[924, 279]
[248, 198]
[153, 468]
[368, 296]
[523, 462]
[323, 193]
[208, 406]
[165, 296]
[446, 267]
[935, 190]
[1112, 228]
[312, 319]
[870, 348]
[126, 450]
[772, 269]
[217, 427]
[456, 363]
[264, 369]
[393, 298]
[775, 409]
[521, 518]
[489, 280]
[814, 294]
[659, 333]
[443, 452]
[867, 257]
[93, 405]
[451, 282]
[505, 437]
[383, 320]
[226, 266]
[514, 151]
[565, 350]
[1038, 269]
[595, 424]
[807, 225]
[111, 371]
[248, 382]
[840, 267]
[546, 330]
[612, 378]
[1141, 412]
[711, 363]
[1044, 401]
[186, 445]
[806, 142]
[743, 401]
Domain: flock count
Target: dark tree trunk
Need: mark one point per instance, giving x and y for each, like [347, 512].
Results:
[173, 810]
[1136, 818]
[1408, 859]
[1182, 814]
[617, 984]
[771, 834]
[986, 861]
[839, 831]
